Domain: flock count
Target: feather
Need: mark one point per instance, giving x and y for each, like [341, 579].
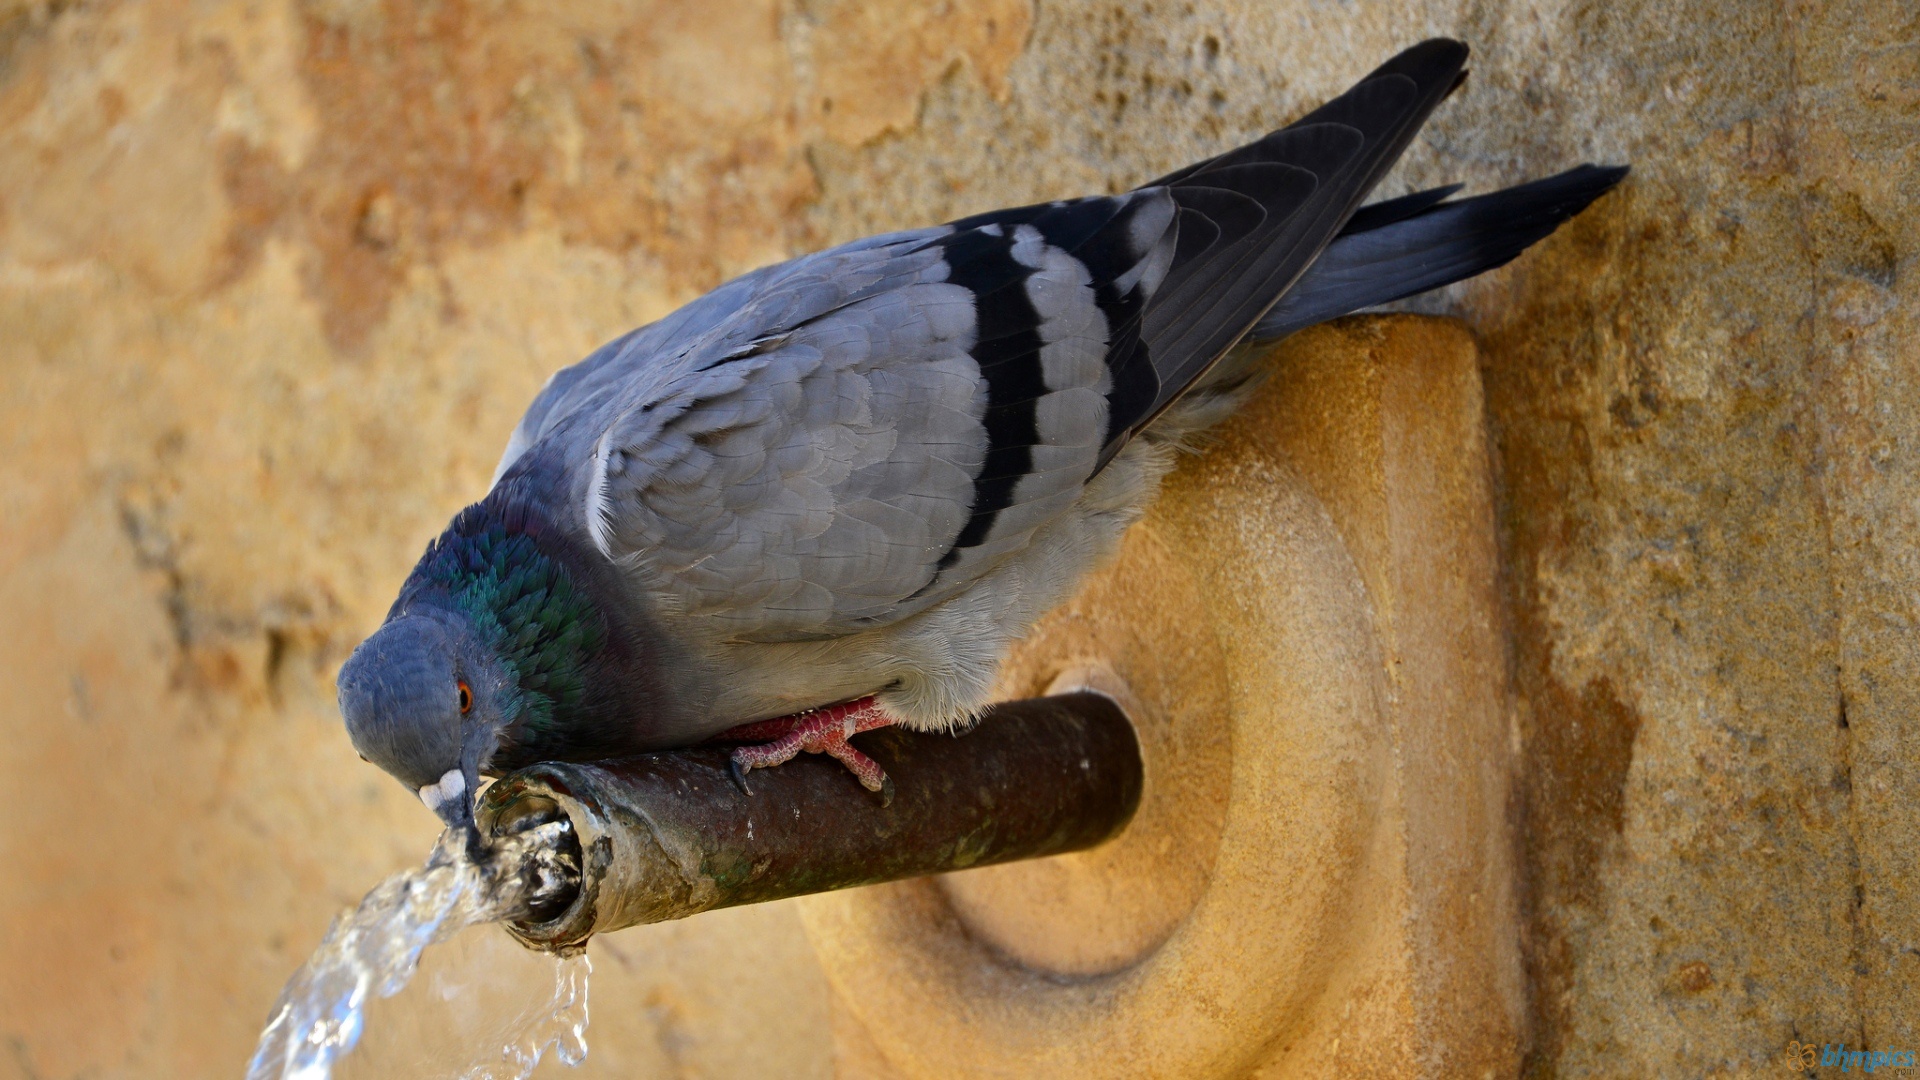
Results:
[1417, 243]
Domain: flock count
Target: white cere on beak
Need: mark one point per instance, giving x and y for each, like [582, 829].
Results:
[451, 786]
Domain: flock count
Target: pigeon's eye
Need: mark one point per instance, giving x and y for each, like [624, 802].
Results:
[466, 698]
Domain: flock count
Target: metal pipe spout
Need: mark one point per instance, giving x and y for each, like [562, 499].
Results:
[667, 835]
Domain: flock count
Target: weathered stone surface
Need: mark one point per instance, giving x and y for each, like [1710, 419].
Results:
[276, 278]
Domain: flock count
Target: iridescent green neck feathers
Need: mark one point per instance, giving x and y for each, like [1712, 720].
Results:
[527, 608]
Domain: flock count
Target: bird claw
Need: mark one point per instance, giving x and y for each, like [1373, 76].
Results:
[821, 731]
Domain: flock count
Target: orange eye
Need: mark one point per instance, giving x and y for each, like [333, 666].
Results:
[466, 698]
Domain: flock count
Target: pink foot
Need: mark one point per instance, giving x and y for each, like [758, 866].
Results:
[817, 731]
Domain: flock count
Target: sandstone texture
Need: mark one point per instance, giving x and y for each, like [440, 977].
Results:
[277, 276]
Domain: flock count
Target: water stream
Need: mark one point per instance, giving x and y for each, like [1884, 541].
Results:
[373, 951]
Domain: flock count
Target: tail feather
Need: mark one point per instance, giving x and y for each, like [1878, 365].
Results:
[1388, 211]
[1399, 248]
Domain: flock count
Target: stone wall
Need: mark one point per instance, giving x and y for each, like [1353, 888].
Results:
[277, 277]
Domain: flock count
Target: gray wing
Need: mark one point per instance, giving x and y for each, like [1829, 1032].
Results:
[578, 388]
[843, 440]
[823, 459]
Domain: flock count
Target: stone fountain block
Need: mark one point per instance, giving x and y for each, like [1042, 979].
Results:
[1320, 879]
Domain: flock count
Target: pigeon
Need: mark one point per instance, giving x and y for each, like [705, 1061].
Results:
[826, 496]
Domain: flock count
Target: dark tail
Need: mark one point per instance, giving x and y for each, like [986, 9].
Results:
[1395, 249]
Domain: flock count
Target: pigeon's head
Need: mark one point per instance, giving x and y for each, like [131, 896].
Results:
[422, 699]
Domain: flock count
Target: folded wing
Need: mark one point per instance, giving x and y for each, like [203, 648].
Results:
[841, 441]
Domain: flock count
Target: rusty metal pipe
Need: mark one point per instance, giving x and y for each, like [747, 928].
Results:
[663, 836]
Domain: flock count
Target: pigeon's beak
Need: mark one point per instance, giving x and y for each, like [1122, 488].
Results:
[452, 799]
